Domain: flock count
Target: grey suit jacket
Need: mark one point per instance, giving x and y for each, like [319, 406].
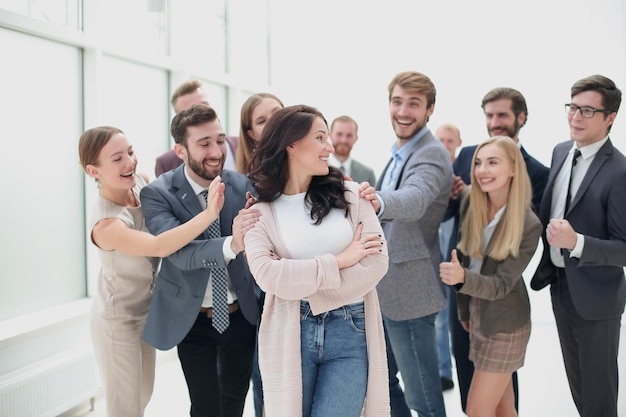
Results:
[598, 211]
[360, 173]
[181, 283]
[413, 210]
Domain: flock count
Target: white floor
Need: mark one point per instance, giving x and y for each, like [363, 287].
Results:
[543, 385]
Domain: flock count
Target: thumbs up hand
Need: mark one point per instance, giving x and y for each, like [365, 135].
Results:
[452, 272]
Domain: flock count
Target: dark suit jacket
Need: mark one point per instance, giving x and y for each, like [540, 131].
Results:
[182, 280]
[598, 211]
[168, 161]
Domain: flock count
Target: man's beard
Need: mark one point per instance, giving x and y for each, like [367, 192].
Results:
[198, 168]
[512, 133]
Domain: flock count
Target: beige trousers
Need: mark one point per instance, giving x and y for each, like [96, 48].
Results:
[126, 364]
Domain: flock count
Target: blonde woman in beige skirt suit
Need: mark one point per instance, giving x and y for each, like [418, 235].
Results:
[498, 235]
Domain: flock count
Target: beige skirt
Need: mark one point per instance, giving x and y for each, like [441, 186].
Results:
[500, 353]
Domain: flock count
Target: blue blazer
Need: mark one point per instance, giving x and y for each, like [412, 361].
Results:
[598, 211]
[182, 281]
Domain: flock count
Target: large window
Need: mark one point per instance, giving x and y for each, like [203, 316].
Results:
[41, 215]
[69, 65]
[58, 12]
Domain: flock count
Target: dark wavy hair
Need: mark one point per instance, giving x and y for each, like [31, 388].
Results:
[270, 162]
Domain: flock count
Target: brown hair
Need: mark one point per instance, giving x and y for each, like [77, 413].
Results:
[271, 164]
[415, 81]
[193, 116]
[185, 88]
[611, 95]
[91, 143]
[518, 102]
[347, 119]
[246, 143]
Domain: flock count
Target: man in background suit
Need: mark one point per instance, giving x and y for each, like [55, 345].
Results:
[505, 114]
[186, 95]
[343, 135]
[450, 136]
[412, 197]
[585, 246]
[181, 312]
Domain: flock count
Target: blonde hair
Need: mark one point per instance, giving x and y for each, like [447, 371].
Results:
[509, 233]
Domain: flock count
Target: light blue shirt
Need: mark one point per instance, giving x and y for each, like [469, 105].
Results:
[399, 157]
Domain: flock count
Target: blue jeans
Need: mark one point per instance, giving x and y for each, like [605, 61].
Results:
[413, 345]
[334, 361]
[443, 340]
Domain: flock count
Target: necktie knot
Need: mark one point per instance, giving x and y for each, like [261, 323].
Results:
[576, 156]
[205, 194]
[568, 198]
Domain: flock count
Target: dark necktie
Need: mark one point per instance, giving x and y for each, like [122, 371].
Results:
[569, 186]
[219, 288]
[343, 169]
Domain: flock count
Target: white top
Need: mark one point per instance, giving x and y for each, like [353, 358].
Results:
[477, 264]
[302, 237]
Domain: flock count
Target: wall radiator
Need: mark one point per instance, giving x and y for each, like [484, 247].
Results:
[49, 387]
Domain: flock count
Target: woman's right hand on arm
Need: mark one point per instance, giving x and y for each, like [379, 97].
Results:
[360, 247]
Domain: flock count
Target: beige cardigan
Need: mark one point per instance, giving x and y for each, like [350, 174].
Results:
[287, 281]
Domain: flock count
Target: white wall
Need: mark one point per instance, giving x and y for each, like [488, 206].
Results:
[340, 56]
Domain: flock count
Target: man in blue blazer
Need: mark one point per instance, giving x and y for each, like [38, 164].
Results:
[584, 253]
[505, 114]
[181, 312]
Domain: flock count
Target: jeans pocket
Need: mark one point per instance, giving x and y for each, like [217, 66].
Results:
[356, 315]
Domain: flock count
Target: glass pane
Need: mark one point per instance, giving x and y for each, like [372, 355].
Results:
[42, 214]
[58, 12]
[133, 25]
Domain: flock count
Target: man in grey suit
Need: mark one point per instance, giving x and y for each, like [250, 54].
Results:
[343, 135]
[584, 255]
[412, 197]
[187, 295]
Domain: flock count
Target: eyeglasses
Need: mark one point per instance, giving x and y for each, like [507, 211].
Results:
[586, 111]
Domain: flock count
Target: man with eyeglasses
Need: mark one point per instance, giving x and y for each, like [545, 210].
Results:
[505, 114]
[584, 254]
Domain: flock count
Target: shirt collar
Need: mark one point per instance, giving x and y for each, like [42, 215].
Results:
[591, 149]
[332, 159]
[404, 151]
[197, 188]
